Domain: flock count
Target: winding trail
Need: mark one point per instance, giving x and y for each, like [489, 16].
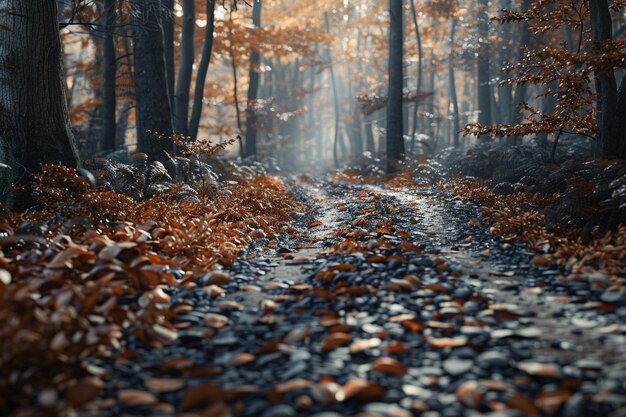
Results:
[393, 303]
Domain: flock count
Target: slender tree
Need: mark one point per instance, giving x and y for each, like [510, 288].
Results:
[154, 122]
[253, 88]
[420, 71]
[483, 67]
[185, 68]
[167, 14]
[452, 85]
[108, 78]
[333, 85]
[203, 68]
[34, 121]
[611, 103]
[395, 139]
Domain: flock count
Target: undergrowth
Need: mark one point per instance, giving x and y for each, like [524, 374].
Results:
[65, 268]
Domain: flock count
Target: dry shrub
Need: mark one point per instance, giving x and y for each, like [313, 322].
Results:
[519, 217]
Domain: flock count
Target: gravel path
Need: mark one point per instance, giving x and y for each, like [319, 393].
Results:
[390, 303]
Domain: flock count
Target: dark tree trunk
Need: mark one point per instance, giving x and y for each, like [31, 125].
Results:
[452, 83]
[109, 75]
[610, 140]
[505, 92]
[167, 14]
[253, 88]
[154, 122]
[520, 89]
[483, 67]
[185, 68]
[207, 48]
[395, 140]
[34, 121]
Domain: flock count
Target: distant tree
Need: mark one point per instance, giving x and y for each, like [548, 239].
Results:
[203, 67]
[34, 120]
[185, 68]
[566, 72]
[395, 139]
[483, 64]
[253, 88]
[109, 78]
[154, 122]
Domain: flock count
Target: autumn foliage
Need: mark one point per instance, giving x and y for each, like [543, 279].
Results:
[92, 265]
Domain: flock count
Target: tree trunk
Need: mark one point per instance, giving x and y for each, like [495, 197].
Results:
[154, 122]
[395, 140]
[483, 67]
[109, 75]
[609, 142]
[520, 89]
[333, 84]
[198, 96]
[420, 71]
[34, 121]
[452, 84]
[185, 68]
[167, 14]
[253, 88]
[505, 92]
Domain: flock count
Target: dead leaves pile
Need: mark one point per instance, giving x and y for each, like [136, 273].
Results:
[66, 299]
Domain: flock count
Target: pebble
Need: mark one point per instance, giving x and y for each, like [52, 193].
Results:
[457, 366]
[493, 359]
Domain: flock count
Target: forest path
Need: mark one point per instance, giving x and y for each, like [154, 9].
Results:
[391, 302]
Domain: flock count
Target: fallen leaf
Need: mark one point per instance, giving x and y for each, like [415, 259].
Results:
[364, 344]
[216, 321]
[292, 385]
[389, 366]
[163, 384]
[241, 359]
[448, 342]
[134, 398]
[468, 394]
[335, 340]
[84, 391]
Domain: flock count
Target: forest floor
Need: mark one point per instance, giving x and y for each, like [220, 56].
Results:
[382, 302]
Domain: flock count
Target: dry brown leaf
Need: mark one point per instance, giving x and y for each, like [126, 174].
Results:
[216, 321]
[468, 394]
[134, 398]
[163, 384]
[335, 340]
[389, 366]
[241, 359]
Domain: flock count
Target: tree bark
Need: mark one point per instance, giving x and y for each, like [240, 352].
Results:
[253, 88]
[452, 83]
[420, 71]
[395, 139]
[520, 89]
[483, 67]
[34, 120]
[610, 142]
[185, 68]
[167, 14]
[154, 122]
[109, 98]
[207, 48]
[333, 84]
